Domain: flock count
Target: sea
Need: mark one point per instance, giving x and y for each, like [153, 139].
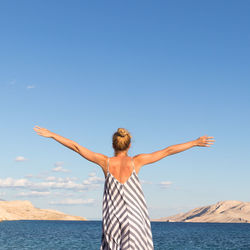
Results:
[55, 235]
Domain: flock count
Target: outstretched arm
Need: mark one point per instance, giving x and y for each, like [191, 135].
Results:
[89, 155]
[144, 159]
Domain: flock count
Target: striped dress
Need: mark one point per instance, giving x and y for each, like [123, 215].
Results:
[125, 218]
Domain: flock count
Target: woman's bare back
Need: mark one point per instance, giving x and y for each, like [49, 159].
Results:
[121, 168]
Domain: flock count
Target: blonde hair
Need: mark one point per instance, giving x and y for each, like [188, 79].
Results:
[121, 139]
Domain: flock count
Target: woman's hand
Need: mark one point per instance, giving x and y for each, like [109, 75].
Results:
[43, 131]
[204, 141]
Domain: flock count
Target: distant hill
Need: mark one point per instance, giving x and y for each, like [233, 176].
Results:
[222, 211]
[24, 210]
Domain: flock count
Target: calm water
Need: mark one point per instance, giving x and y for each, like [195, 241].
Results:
[87, 235]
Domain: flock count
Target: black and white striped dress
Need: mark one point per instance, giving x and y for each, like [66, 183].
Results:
[125, 218]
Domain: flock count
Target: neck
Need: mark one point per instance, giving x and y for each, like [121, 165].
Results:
[121, 153]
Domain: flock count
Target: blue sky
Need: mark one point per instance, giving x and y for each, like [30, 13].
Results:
[168, 71]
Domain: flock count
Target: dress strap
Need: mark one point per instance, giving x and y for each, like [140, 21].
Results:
[108, 166]
[133, 163]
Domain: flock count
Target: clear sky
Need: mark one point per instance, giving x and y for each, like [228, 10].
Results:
[168, 71]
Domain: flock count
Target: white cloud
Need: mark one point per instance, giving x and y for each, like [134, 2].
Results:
[24, 183]
[92, 174]
[59, 163]
[59, 185]
[60, 179]
[29, 176]
[64, 194]
[20, 158]
[59, 168]
[145, 182]
[52, 182]
[30, 86]
[73, 178]
[43, 175]
[51, 178]
[33, 194]
[9, 182]
[165, 184]
[93, 180]
[73, 202]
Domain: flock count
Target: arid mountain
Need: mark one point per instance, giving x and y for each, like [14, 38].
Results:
[24, 210]
[222, 211]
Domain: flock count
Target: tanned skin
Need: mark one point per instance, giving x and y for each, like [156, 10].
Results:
[121, 162]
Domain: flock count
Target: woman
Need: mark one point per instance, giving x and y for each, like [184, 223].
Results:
[126, 223]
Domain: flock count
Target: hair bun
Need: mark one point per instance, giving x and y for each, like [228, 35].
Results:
[122, 132]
